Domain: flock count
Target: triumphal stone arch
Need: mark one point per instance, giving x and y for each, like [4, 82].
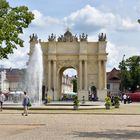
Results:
[69, 51]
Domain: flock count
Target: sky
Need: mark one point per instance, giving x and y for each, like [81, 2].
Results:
[116, 18]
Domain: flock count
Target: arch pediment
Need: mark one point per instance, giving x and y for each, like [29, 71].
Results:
[67, 64]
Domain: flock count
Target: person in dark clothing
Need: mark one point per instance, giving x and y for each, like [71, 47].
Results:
[25, 104]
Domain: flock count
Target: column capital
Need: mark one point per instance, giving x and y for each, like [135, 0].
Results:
[49, 60]
[54, 60]
[99, 60]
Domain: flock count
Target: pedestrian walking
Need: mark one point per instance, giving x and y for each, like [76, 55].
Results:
[25, 104]
[2, 99]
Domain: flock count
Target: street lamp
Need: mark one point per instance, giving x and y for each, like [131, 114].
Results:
[53, 93]
[121, 73]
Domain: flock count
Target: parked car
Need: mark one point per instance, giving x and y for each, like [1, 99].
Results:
[135, 97]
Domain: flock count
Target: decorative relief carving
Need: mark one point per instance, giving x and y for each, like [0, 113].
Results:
[92, 67]
[67, 37]
[67, 63]
[92, 79]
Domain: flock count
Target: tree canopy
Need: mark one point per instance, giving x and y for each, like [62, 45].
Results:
[74, 82]
[130, 73]
[12, 23]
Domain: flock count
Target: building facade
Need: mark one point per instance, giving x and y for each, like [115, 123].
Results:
[11, 79]
[114, 81]
[69, 51]
[67, 85]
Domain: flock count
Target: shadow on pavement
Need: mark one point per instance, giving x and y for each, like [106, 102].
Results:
[110, 134]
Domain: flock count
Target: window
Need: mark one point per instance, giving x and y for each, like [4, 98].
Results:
[108, 86]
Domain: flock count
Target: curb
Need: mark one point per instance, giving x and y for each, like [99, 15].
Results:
[51, 108]
[74, 113]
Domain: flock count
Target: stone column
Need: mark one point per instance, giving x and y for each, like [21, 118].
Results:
[105, 82]
[99, 75]
[85, 74]
[49, 75]
[80, 74]
[54, 75]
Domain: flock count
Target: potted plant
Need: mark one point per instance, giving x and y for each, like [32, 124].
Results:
[49, 99]
[116, 101]
[108, 102]
[75, 103]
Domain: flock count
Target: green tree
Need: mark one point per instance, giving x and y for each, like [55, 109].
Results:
[130, 73]
[74, 82]
[12, 23]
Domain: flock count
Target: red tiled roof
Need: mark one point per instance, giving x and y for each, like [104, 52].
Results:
[13, 78]
[113, 75]
[14, 75]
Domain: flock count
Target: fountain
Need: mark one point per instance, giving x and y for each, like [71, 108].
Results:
[34, 75]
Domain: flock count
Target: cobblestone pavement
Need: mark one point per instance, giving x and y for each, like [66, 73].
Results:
[14, 126]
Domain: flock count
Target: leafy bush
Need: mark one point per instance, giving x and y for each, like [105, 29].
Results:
[108, 101]
[116, 101]
[75, 101]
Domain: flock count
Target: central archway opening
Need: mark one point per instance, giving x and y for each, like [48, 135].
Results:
[68, 78]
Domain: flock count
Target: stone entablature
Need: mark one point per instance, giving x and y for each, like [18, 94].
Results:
[69, 51]
[67, 37]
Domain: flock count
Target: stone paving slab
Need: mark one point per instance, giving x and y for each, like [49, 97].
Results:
[55, 107]
[94, 124]
[69, 127]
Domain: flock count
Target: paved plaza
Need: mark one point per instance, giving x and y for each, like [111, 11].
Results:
[71, 125]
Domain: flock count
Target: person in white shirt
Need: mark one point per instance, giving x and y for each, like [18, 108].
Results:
[124, 98]
[2, 99]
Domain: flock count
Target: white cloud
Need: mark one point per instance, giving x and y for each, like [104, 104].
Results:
[129, 51]
[115, 54]
[44, 21]
[88, 19]
[127, 24]
[70, 72]
[16, 60]
[114, 57]
[92, 19]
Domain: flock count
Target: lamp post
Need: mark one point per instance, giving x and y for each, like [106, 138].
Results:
[53, 93]
[121, 73]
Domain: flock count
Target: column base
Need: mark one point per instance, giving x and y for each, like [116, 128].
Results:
[54, 95]
[82, 93]
[101, 94]
[50, 94]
